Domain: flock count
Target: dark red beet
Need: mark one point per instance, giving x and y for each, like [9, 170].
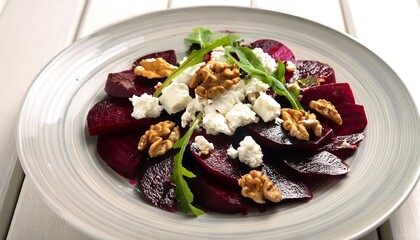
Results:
[168, 55]
[155, 182]
[289, 187]
[214, 196]
[275, 137]
[323, 163]
[126, 84]
[275, 49]
[344, 146]
[113, 116]
[354, 119]
[120, 153]
[336, 93]
[307, 69]
[217, 162]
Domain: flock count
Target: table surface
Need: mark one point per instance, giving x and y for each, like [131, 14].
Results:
[33, 32]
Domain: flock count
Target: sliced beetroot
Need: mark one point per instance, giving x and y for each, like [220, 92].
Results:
[215, 197]
[217, 162]
[274, 136]
[354, 119]
[344, 146]
[307, 70]
[155, 182]
[126, 84]
[290, 187]
[274, 48]
[113, 116]
[322, 163]
[168, 55]
[120, 153]
[336, 93]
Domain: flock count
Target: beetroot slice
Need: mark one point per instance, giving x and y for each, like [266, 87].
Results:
[274, 48]
[126, 84]
[336, 93]
[214, 197]
[168, 55]
[120, 153]
[344, 146]
[274, 136]
[323, 163]
[290, 188]
[217, 162]
[354, 119]
[113, 116]
[307, 69]
[155, 182]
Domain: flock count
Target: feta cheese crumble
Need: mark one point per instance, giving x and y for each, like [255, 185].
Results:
[269, 64]
[232, 152]
[175, 97]
[201, 143]
[215, 123]
[218, 54]
[266, 107]
[145, 106]
[249, 152]
[240, 115]
[187, 74]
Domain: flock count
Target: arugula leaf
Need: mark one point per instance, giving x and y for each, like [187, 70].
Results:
[249, 62]
[182, 191]
[281, 70]
[202, 37]
[195, 57]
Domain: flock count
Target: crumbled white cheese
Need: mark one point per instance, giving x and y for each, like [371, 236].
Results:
[290, 66]
[240, 115]
[175, 97]
[254, 85]
[201, 143]
[145, 106]
[266, 107]
[232, 152]
[218, 54]
[278, 121]
[215, 123]
[250, 153]
[269, 64]
[222, 103]
[192, 108]
[187, 74]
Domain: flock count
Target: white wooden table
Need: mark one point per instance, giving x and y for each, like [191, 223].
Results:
[33, 32]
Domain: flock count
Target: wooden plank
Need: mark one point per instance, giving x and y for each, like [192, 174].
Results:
[327, 13]
[100, 13]
[29, 223]
[26, 46]
[32, 218]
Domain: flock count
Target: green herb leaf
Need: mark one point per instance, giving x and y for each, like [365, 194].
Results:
[195, 57]
[281, 70]
[202, 37]
[182, 191]
[249, 62]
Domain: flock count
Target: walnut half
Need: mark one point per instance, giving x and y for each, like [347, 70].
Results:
[214, 78]
[258, 187]
[160, 137]
[154, 68]
[326, 109]
[298, 122]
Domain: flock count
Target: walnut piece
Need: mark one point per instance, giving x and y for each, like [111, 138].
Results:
[258, 187]
[161, 138]
[298, 123]
[214, 78]
[326, 109]
[154, 68]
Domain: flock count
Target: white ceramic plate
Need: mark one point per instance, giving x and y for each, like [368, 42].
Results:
[60, 158]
